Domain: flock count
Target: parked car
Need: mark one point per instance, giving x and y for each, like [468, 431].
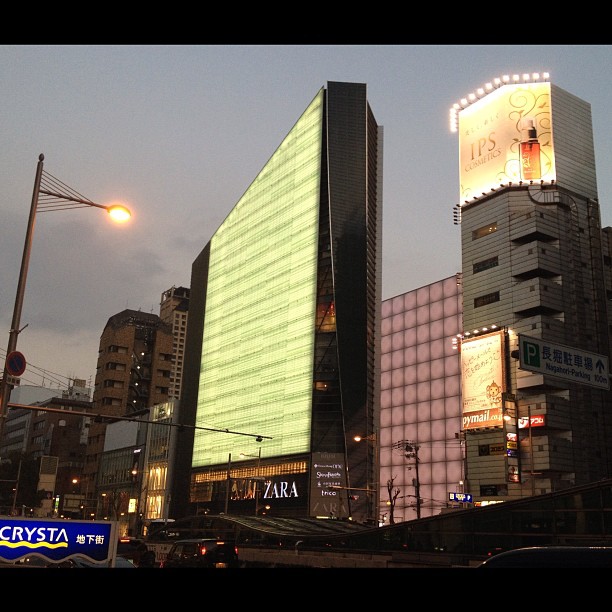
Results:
[552, 556]
[202, 552]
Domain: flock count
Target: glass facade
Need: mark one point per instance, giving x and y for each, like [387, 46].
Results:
[257, 348]
[282, 342]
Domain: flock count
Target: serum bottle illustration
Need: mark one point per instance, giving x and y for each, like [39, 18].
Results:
[529, 149]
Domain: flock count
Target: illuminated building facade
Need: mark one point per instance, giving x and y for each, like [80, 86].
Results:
[533, 265]
[421, 450]
[282, 340]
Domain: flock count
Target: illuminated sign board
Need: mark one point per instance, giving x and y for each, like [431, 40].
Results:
[565, 362]
[464, 498]
[538, 420]
[57, 539]
[482, 381]
[506, 137]
[328, 492]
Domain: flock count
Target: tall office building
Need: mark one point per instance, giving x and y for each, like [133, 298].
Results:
[535, 388]
[282, 358]
[133, 374]
[174, 310]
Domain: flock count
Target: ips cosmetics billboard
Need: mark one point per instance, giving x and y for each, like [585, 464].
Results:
[483, 381]
[506, 137]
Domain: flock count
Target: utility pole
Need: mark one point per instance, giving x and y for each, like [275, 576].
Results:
[228, 482]
[411, 451]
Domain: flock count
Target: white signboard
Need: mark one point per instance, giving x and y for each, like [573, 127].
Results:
[565, 362]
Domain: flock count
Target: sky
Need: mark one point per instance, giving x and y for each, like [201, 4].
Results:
[178, 133]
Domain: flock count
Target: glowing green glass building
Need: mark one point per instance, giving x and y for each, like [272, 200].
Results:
[282, 339]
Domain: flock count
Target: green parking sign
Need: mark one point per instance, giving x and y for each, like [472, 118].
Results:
[561, 361]
[531, 354]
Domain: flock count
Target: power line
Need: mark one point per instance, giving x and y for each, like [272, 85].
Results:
[63, 382]
[105, 418]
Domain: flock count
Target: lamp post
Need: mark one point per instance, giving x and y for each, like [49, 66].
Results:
[373, 509]
[257, 479]
[58, 196]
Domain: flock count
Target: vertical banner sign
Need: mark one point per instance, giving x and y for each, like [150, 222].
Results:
[328, 492]
[483, 381]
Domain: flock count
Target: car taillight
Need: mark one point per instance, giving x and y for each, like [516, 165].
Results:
[202, 550]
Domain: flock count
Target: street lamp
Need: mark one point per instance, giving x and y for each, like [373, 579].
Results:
[56, 196]
[257, 478]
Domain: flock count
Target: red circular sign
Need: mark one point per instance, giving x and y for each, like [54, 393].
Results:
[15, 363]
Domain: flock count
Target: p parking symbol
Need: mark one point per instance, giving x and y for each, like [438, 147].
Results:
[531, 354]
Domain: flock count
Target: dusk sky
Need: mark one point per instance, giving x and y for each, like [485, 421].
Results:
[178, 133]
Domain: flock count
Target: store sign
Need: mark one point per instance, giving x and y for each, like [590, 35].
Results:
[538, 420]
[328, 486]
[57, 539]
[464, 498]
[513, 474]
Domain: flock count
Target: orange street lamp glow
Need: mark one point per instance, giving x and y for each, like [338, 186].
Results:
[49, 194]
[118, 213]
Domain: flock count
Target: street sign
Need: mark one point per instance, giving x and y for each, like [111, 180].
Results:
[464, 498]
[565, 362]
[15, 363]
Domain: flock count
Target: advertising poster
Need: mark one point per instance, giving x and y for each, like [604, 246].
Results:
[506, 137]
[483, 381]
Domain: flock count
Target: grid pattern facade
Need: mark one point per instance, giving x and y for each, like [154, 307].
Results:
[421, 399]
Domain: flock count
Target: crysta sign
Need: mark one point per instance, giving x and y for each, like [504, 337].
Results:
[57, 539]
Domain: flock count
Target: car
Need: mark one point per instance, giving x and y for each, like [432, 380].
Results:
[552, 556]
[202, 552]
[135, 550]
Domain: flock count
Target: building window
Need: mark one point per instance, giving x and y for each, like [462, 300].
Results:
[483, 300]
[114, 348]
[484, 231]
[117, 384]
[326, 317]
[486, 264]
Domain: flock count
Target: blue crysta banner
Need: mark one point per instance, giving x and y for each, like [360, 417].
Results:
[57, 539]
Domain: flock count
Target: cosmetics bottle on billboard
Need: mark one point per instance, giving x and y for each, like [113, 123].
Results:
[529, 149]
